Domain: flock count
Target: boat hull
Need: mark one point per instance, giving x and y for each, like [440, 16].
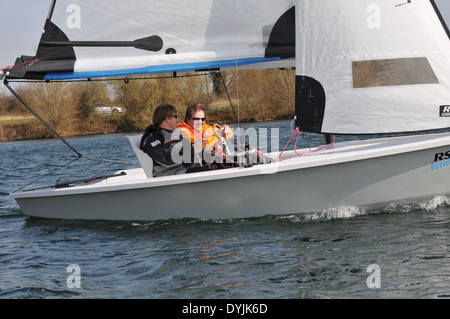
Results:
[353, 174]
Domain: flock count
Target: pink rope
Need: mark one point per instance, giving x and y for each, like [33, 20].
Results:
[316, 150]
[297, 131]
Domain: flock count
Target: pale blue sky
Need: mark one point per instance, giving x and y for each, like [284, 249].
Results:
[21, 25]
[22, 21]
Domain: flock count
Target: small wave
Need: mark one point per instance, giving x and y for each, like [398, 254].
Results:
[11, 212]
[337, 213]
[433, 257]
[37, 293]
[326, 215]
[428, 205]
[435, 203]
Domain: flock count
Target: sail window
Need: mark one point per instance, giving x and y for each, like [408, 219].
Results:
[393, 72]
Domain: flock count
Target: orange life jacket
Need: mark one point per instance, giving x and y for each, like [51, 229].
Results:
[207, 135]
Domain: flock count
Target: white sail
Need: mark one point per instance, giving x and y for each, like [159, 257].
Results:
[99, 38]
[371, 66]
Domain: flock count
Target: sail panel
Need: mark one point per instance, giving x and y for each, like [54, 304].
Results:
[115, 37]
[383, 68]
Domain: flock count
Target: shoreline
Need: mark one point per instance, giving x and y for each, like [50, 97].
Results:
[35, 130]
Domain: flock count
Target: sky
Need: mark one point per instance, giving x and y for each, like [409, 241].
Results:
[22, 22]
[21, 25]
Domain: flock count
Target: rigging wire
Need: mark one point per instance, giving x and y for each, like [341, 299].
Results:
[236, 64]
[3, 79]
[49, 128]
[236, 115]
[48, 174]
[125, 79]
[5, 82]
[41, 119]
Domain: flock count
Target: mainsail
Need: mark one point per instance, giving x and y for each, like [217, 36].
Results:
[371, 66]
[102, 38]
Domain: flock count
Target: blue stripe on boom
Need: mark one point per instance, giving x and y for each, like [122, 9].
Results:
[156, 69]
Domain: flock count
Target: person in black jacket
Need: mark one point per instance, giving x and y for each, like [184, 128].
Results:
[160, 142]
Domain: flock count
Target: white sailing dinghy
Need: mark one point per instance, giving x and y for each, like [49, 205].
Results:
[362, 67]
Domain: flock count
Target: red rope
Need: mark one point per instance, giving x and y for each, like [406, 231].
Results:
[13, 66]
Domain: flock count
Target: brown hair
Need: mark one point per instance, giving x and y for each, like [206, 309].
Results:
[191, 109]
[162, 111]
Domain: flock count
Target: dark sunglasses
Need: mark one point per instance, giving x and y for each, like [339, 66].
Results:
[175, 116]
[198, 119]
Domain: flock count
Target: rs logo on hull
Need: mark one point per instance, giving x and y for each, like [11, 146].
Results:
[440, 160]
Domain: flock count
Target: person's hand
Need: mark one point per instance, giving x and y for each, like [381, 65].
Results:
[226, 130]
[222, 131]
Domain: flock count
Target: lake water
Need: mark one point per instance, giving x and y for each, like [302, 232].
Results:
[397, 252]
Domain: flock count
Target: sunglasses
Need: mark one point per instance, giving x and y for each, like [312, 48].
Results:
[175, 116]
[198, 119]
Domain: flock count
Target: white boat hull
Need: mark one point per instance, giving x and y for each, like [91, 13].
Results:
[369, 174]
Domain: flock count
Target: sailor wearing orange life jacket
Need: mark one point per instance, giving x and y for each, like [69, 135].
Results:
[202, 135]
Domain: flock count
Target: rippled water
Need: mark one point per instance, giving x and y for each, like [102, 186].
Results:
[322, 255]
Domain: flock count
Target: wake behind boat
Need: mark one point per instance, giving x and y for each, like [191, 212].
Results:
[362, 67]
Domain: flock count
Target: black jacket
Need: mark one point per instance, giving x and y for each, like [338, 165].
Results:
[160, 144]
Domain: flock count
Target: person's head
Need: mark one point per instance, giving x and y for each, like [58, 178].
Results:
[165, 116]
[196, 116]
